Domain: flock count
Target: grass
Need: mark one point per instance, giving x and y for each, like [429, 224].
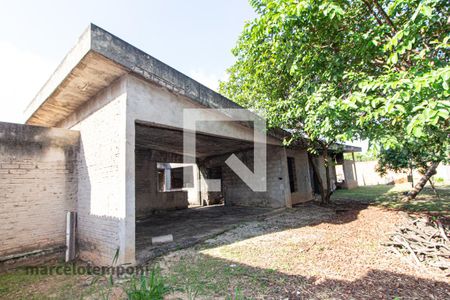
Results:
[150, 286]
[203, 275]
[390, 196]
[209, 276]
[18, 284]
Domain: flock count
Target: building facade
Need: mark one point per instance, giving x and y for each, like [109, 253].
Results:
[109, 126]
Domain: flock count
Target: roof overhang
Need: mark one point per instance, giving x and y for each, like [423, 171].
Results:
[98, 59]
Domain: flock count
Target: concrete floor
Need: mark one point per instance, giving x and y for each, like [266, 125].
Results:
[189, 226]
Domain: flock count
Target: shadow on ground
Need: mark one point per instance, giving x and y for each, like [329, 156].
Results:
[193, 226]
[436, 202]
[211, 277]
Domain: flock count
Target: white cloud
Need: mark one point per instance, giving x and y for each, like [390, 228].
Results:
[22, 74]
[211, 80]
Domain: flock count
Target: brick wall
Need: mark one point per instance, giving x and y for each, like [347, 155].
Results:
[38, 183]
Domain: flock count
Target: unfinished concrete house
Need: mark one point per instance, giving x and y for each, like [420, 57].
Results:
[104, 138]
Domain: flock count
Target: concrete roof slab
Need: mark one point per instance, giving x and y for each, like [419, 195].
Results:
[96, 61]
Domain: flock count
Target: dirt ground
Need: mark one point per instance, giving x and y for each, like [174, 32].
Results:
[312, 253]
[309, 252]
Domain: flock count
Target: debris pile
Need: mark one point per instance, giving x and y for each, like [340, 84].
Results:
[425, 242]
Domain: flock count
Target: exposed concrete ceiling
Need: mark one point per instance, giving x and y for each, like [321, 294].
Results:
[92, 74]
[171, 140]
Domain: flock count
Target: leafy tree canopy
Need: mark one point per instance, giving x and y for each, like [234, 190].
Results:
[340, 70]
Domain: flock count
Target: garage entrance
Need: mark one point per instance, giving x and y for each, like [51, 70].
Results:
[168, 207]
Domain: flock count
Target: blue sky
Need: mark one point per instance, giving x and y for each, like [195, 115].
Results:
[194, 36]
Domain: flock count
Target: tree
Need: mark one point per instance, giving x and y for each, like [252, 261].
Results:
[334, 71]
[408, 158]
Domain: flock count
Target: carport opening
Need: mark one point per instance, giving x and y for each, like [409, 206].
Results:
[172, 212]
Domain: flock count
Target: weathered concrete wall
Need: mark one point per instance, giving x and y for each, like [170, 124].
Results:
[105, 218]
[366, 174]
[148, 198]
[236, 192]
[303, 177]
[349, 174]
[38, 185]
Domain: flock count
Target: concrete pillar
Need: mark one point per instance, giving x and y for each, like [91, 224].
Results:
[128, 225]
[203, 187]
[354, 166]
[285, 182]
[167, 178]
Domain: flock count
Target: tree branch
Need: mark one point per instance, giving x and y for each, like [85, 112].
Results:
[373, 12]
[385, 15]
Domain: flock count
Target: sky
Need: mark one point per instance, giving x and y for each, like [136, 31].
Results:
[195, 37]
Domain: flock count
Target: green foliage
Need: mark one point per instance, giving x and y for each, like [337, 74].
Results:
[368, 156]
[151, 286]
[405, 158]
[335, 71]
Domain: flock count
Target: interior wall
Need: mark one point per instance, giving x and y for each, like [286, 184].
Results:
[148, 198]
[237, 193]
[208, 197]
[38, 185]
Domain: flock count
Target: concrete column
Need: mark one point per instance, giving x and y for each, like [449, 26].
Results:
[203, 187]
[285, 183]
[354, 166]
[128, 224]
[167, 178]
[197, 187]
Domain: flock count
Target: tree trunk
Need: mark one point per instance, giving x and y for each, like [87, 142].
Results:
[318, 178]
[327, 175]
[411, 173]
[419, 186]
[434, 188]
